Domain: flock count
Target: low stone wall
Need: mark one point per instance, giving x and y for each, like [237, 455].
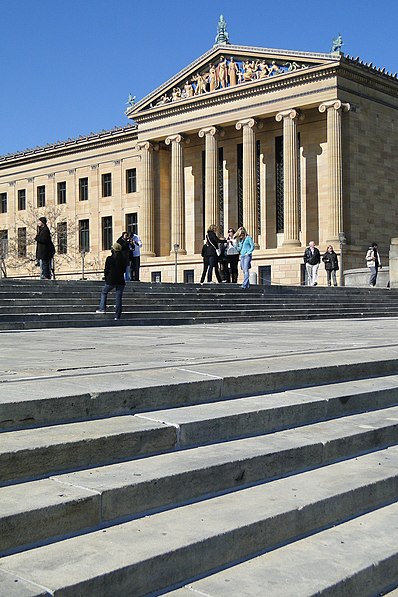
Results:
[359, 278]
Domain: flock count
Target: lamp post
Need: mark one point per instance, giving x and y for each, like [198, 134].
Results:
[83, 254]
[342, 241]
[176, 247]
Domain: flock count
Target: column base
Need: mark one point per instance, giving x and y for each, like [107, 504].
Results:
[179, 252]
[291, 243]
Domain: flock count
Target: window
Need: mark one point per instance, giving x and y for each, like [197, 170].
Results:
[22, 199]
[264, 275]
[21, 242]
[83, 189]
[61, 192]
[84, 236]
[106, 185]
[106, 233]
[62, 238]
[41, 196]
[131, 180]
[3, 203]
[132, 223]
[189, 276]
[3, 244]
[156, 277]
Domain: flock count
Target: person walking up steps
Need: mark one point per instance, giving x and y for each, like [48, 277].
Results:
[115, 267]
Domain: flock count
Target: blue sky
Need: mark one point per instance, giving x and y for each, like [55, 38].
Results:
[67, 67]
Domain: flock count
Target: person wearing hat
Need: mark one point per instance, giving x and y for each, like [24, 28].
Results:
[115, 266]
[45, 249]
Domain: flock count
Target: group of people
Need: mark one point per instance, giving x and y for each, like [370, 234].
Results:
[312, 260]
[222, 255]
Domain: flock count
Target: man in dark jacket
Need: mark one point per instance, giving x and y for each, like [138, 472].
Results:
[312, 259]
[45, 249]
[123, 241]
[114, 279]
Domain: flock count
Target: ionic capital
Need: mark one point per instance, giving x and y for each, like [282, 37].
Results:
[176, 139]
[212, 131]
[147, 145]
[249, 122]
[293, 114]
[336, 104]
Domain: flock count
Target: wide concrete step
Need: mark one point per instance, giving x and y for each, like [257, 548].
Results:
[154, 552]
[341, 561]
[252, 415]
[75, 502]
[35, 402]
[37, 452]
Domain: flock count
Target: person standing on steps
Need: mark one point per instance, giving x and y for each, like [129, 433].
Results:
[331, 265]
[114, 279]
[135, 257]
[245, 247]
[312, 259]
[373, 262]
[213, 252]
[45, 249]
[125, 244]
[232, 255]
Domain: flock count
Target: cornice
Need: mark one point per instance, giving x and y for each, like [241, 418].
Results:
[82, 143]
[369, 78]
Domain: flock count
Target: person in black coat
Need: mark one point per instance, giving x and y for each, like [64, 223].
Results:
[213, 253]
[45, 249]
[331, 265]
[114, 279]
[123, 241]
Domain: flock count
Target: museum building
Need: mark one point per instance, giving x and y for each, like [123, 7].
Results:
[294, 145]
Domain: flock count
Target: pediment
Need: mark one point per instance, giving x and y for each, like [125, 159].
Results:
[227, 68]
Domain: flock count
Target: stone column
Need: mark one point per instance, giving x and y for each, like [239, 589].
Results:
[290, 177]
[212, 210]
[147, 213]
[250, 209]
[333, 110]
[393, 263]
[177, 193]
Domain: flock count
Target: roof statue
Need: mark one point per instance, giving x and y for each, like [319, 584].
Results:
[336, 44]
[222, 36]
[131, 100]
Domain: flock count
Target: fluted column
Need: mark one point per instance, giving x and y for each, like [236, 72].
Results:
[250, 208]
[177, 193]
[290, 177]
[147, 212]
[333, 111]
[212, 208]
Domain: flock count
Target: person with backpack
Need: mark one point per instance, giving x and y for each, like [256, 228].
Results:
[373, 262]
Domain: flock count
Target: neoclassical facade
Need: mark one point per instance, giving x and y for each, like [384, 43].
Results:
[295, 146]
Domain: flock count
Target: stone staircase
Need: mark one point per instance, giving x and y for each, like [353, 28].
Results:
[29, 304]
[276, 481]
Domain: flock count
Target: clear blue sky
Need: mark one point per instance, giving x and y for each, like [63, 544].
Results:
[67, 66]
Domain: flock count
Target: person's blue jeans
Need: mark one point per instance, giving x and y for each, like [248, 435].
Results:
[45, 269]
[119, 288]
[373, 275]
[245, 264]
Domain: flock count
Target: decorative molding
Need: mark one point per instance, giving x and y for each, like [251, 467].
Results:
[117, 162]
[12, 183]
[72, 171]
[51, 175]
[31, 179]
[94, 166]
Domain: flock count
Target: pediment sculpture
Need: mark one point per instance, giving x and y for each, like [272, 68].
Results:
[227, 73]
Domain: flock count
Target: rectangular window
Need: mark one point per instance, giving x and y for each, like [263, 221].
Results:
[131, 180]
[84, 236]
[21, 242]
[21, 199]
[107, 185]
[106, 233]
[41, 196]
[156, 277]
[3, 203]
[61, 192]
[62, 238]
[189, 276]
[264, 275]
[132, 223]
[83, 189]
[3, 244]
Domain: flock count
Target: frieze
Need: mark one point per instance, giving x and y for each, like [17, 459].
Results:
[228, 73]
